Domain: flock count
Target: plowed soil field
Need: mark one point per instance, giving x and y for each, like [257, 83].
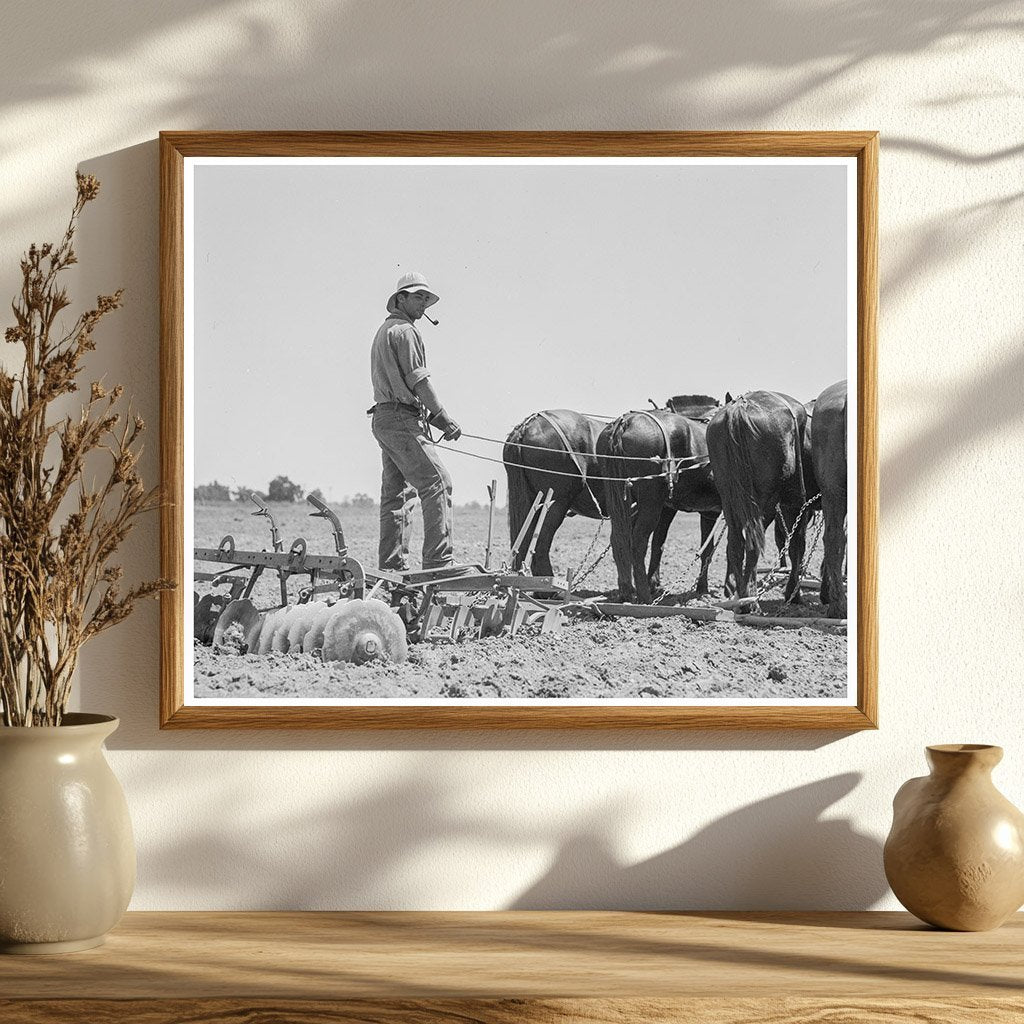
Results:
[613, 659]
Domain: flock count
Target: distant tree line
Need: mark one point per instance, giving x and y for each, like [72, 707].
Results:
[280, 489]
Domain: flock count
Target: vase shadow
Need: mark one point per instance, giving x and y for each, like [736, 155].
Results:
[796, 860]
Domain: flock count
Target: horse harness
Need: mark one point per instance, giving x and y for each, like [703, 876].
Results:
[576, 457]
[670, 462]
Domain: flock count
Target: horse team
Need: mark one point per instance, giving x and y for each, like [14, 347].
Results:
[759, 459]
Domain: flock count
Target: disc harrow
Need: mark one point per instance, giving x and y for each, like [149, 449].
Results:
[349, 613]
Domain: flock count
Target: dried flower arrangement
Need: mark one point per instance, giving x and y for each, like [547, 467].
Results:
[58, 587]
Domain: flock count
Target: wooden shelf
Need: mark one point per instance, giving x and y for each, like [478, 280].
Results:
[594, 966]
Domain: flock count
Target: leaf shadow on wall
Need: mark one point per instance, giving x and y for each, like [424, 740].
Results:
[960, 422]
[344, 51]
[938, 246]
[197, 64]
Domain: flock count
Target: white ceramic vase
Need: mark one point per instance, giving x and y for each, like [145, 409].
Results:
[67, 854]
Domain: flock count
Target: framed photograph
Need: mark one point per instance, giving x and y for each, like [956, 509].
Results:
[519, 430]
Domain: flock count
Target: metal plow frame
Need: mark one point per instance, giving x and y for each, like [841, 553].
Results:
[457, 602]
[454, 603]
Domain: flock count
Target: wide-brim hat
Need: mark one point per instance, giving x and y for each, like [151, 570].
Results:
[411, 282]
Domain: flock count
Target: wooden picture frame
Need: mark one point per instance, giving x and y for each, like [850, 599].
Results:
[182, 152]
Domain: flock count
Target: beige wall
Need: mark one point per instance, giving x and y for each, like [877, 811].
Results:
[484, 821]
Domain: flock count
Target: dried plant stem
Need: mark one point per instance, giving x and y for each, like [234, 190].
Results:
[58, 586]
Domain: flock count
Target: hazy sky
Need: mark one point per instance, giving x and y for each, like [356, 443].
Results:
[589, 287]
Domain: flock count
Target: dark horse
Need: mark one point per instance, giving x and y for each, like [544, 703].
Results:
[756, 448]
[561, 457]
[667, 447]
[828, 454]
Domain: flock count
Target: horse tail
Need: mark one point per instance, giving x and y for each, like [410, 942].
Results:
[520, 496]
[845, 422]
[618, 496]
[736, 481]
[798, 443]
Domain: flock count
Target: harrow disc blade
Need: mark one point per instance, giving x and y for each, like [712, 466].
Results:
[205, 613]
[492, 619]
[313, 638]
[301, 622]
[243, 612]
[362, 631]
[432, 617]
[271, 622]
[552, 622]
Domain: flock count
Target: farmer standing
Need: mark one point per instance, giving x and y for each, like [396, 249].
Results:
[404, 402]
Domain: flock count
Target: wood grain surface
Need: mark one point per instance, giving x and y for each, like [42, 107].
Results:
[515, 1011]
[246, 143]
[524, 966]
[175, 147]
[172, 444]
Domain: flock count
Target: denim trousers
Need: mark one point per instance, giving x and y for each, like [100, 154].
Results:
[410, 467]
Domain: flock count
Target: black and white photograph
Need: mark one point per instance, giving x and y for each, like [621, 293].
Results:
[520, 431]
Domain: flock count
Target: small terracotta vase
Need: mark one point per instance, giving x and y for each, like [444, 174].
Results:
[955, 854]
[67, 855]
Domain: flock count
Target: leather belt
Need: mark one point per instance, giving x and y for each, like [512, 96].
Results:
[395, 405]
